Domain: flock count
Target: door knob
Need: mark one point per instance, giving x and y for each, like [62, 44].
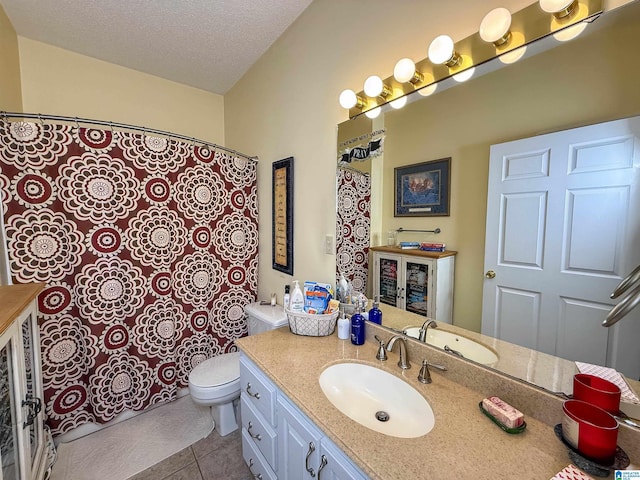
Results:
[490, 274]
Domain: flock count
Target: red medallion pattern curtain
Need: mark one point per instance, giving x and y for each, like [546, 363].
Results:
[353, 227]
[149, 249]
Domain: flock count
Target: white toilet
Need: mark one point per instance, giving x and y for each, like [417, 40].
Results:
[215, 382]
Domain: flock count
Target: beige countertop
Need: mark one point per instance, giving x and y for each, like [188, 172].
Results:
[463, 443]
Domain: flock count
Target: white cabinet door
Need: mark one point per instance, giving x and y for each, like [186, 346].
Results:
[418, 288]
[335, 465]
[388, 278]
[10, 394]
[32, 403]
[21, 409]
[405, 282]
[298, 443]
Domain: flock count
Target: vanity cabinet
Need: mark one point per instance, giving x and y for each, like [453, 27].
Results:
[258, 418]
[22, 444]
[304, 451]
[416, 281]
[283, 443]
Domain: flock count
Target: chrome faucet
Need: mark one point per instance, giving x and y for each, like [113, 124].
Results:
[403, 363]
[422, 333]
[424, 376]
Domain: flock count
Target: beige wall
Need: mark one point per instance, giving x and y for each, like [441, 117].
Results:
[287, 105]
[585, 81]
[57, 81]
[10, 93]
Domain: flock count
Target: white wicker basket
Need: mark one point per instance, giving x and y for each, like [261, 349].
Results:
[312, 325]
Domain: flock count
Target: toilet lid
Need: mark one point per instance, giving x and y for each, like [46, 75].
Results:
[216, 371]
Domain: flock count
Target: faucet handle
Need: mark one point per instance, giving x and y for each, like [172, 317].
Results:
[382, 353]
[424, 376]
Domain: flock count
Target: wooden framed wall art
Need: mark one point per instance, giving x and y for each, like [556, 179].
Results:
[282, 211]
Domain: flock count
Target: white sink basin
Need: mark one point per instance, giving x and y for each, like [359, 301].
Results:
[361, 392]
[469, 349]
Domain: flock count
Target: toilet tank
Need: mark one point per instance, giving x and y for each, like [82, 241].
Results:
[261, 318]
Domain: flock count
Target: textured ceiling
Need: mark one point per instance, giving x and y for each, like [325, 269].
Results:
[208, 44]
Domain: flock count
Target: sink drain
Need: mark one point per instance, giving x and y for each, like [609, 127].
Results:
[382, 416]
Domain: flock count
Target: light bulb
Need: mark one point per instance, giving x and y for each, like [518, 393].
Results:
[405, 71]
[465, 75]
[571, 32]
[495, 25]
[441, 50]
[398, 103]
[559, 8]
[513, 56]
[348, 99]
[373, 86]
[373, 113]
[428, 90]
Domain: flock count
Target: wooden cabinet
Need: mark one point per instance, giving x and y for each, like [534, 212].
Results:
[417, 281]
[22, 444]
[288, 445]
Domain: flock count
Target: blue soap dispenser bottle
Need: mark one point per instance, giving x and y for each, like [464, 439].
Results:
[357, 327]
[375, 314]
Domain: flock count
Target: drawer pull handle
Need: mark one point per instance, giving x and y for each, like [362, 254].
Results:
[256, 476]
[323, 463]
[255, 395]
[312, 448]
[257, 436]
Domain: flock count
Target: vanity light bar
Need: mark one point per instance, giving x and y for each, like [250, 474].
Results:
[527, 25]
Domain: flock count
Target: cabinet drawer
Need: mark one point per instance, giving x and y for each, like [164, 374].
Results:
[258, 390]
[252, 456]
[260, 433]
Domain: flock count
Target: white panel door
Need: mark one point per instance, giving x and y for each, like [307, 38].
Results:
[563, 229]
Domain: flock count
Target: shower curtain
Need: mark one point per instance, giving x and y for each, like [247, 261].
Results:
[148, 247]
[353, 227]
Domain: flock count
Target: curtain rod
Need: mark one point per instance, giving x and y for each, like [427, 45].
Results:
[104, 123]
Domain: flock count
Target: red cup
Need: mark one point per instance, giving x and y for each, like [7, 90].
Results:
[597, 391]
[591, 430]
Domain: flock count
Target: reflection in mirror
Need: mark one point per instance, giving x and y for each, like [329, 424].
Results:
[358, 148]
[589, 80]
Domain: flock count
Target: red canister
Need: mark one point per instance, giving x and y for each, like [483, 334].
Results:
[591, 430]
[597, 391]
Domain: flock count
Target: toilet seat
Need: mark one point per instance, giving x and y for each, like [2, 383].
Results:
[216, 380]
[216, 371]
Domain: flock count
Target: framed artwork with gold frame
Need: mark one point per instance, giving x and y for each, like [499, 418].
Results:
[282, 215]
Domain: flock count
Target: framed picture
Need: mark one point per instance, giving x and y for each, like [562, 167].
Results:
[423, 189]
[282, 219]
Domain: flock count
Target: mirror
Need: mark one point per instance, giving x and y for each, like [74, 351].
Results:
[588, 80]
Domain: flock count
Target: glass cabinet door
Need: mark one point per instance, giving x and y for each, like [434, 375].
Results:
[388, 280]
[8, 416]
[416, 287]
[32, 399]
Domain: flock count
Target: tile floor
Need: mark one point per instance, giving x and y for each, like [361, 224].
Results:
[212, 458]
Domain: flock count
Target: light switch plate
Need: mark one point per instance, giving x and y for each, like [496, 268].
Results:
[328, 244]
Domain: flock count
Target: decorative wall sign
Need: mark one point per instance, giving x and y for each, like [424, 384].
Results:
[354, 150]
[282, 211]
[423, 189]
